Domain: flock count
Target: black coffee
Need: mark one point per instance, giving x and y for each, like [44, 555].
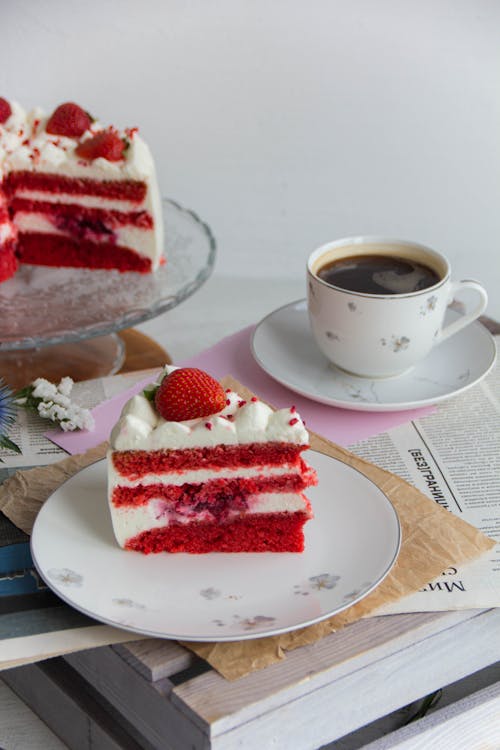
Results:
[378, 274]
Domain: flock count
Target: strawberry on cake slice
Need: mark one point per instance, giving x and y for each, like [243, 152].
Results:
[78, 193]
[193, 468]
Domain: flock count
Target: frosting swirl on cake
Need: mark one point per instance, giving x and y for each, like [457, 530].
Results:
[140, 427]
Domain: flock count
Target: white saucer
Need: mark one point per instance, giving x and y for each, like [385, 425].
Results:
[350, 546]
[284, 347]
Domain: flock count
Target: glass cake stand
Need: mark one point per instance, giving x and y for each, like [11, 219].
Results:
[72, 315]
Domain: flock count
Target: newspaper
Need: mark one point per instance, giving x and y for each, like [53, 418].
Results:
[453, 456]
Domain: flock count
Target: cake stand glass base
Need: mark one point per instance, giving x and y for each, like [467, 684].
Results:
[80, 360]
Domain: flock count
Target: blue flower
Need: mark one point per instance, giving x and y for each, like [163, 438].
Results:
[7, 417]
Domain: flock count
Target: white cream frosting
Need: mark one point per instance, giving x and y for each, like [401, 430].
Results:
[25, 145]
[141, 428]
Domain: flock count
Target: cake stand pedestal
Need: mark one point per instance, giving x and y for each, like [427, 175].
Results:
[126, 351]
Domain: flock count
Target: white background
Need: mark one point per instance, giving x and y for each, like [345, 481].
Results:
[287, 124]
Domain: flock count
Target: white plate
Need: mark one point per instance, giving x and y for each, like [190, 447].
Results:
[284, 347]
[351, 544]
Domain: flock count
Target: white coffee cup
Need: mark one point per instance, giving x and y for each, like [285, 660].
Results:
[382, 335]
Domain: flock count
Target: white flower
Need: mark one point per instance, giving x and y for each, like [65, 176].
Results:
[54, 404]
[65, 386]
[44, 389]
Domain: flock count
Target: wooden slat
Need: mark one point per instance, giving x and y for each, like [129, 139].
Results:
[54, 692]
[148, 706]
[472, 723]
[155, 659]
[21, 728]
[356, 646]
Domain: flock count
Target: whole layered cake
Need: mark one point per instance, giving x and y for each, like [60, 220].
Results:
[193, 468]
[74, 192]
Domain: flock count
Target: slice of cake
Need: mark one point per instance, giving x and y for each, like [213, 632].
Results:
[193, 468]
[78, 193]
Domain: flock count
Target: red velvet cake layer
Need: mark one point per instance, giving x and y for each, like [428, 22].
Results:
[213, 491]
[8, 261]
[128, 190]
[137, 464]
[55, 250]
[260, 532]
[60, 212]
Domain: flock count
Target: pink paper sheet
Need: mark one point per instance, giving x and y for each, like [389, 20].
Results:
[232, 356]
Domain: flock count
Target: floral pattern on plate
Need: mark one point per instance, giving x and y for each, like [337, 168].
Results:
[65, 576]
[247, 623]
[319, 582]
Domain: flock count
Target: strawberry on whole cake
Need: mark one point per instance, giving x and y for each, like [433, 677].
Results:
[75, 193]
[193, 468]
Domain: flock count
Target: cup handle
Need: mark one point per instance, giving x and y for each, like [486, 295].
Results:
[464, 320]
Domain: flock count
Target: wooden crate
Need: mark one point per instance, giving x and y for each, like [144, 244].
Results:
[157, 694]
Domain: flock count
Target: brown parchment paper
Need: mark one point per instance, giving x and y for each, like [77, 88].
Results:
[432, 540]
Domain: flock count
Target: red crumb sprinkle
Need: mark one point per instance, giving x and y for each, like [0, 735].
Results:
[293, 421]
[25, 142]
[293, 409]
[130, 132]
[241, 403]
[228, 402]
[230, 416]
[208, 425]
[254, 399]
[228, 390]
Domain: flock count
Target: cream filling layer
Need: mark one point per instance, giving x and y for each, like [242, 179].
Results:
[197, 477]
[130, 521]
[87, 201]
